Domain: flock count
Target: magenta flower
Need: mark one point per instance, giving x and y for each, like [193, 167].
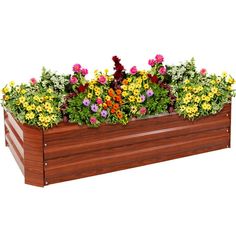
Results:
[162, 70]
[149, 92]
[73, 80]
[104, 113]
[86, 102]
[76, 68]
[94, 108]
[93, 120]
[99, 101]
[143, 98]
[102, 79]
[151, 62]
[33, 81]
[84, 71]
[159, 58]
[133, 70]
[203, 71]
[143, 110]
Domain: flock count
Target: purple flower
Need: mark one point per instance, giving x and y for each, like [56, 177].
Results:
[94, 108]
[143, 98]
[86, 102]
[149, 92]
[104, 113]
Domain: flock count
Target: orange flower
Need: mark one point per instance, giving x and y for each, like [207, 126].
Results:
[111, 92]
[113, 110]
[116, 106]
[109, 103]
[119, 114]
[117, 98]
[105, 106]
[118, 91]
[125, 82]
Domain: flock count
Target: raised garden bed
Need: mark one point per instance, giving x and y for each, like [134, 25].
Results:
[69, 151]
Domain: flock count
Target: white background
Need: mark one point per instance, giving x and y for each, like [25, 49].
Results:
[190, 196]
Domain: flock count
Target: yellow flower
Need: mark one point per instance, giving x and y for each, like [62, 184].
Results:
[53, 117]
[224, 74]
[47, 105]
[218, 80]
[32, 107]
[47, 119]
[36, 98]
[107, 98]
[214, 90]
[41, 118]
[213, 82]
[12, 83]
[206, 106]
[188, 96]
[106, 71]
[139, 99]
[133, 109]
[23, 91]
[230, 88]
[6, 97]
[207, 98]
[49, 109]
[5, 90]
[49, 90]
[199, 88]
[131, 87]
[91, 86]
[197, 99]
[131, 98]
[22, 99]
[203, 97]
[124, 87]
[39, 109]
[129, 79]
[124, 94]
[28, 108]
[97, 93]
[145, 77]
[17, 89]
[90, 95]
[29, 116]
[182, 108]
[194, 109]
[25, 104]
[186, 81]
[146, 86]
[136, 92]
[17, 103]
[97, 89]
[139, 80]
[230, 80]
[186, 100]
[188, 109]
[211, 95]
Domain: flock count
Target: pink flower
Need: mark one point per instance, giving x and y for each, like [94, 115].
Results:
[102, 79]
[143, 110]
[203, 71]
[133, 70]
[73, 80]
[99, 101]
[159, 58]
[84, 71]
[162, 70]
[151, 62]
[33, 81]
[93, 120]
[76, 68]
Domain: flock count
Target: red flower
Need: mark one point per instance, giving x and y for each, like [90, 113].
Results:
[81, 88]
[203, 71]
[154, 79]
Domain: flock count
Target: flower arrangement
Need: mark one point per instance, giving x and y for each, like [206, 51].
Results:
[119, 96]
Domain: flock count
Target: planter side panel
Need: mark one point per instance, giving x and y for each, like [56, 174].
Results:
[33, 156]
[14, 139]
[74, 152]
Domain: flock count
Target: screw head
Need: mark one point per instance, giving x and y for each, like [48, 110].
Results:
[46, 183]
[227, 130]
[227, 114]
[45, 145]
[45, 163]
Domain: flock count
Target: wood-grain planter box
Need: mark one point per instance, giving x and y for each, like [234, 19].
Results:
[69, 151]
